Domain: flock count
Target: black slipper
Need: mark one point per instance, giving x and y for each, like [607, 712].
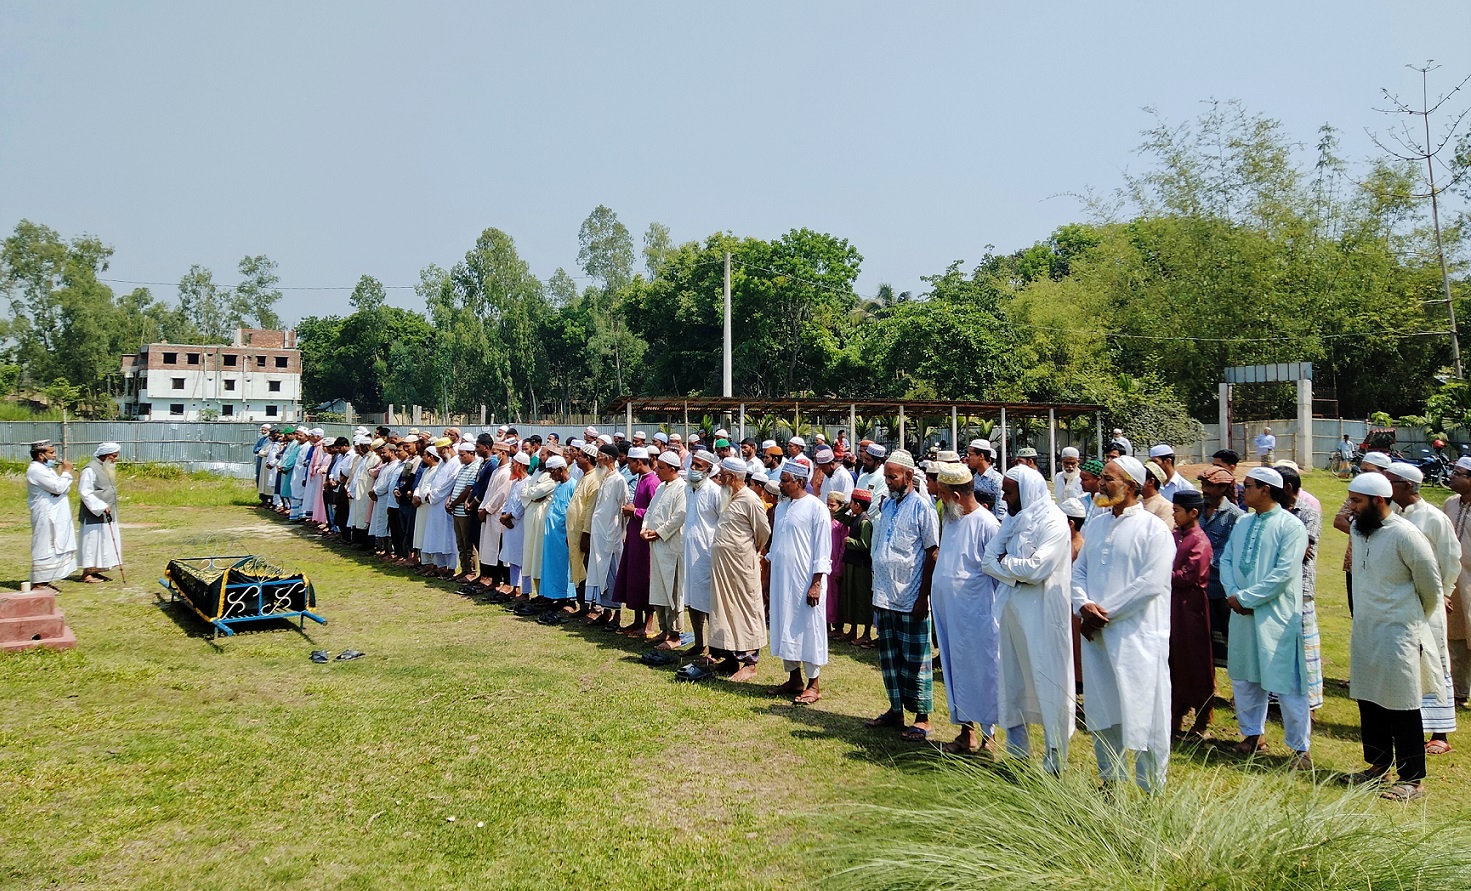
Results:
[692, 673]
[551, 618]
[348, 655]
[320, 655]
[658, 657]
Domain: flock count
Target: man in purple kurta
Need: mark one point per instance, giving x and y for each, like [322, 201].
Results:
[631, 587]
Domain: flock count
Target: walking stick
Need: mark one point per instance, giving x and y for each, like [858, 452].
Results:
[118, 547]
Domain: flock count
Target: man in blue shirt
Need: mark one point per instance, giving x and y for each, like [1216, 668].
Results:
[1217, 518]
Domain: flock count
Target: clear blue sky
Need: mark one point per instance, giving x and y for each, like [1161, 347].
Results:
[358, 137]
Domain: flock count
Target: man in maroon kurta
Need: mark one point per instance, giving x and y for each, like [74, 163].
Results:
[1192, 666]
[631, 587]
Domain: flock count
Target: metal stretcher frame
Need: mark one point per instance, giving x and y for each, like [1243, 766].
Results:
[235, 589]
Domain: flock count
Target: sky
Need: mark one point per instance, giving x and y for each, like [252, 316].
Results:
[352, 138]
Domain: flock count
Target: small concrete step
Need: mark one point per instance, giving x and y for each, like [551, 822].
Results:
[29, 628]
[63, 641]
[14, 604]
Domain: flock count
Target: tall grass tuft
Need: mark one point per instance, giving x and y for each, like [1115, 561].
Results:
[1010, 830]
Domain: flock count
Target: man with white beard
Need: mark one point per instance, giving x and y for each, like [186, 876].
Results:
[1030, 557]
[963, 603]
[1121, 594]
[101, 545]
[703, 504]
[605, 538]
[801, 559]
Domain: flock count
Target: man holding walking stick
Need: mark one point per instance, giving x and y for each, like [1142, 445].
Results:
[101, 545]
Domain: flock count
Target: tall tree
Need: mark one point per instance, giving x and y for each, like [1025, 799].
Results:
[256, 296]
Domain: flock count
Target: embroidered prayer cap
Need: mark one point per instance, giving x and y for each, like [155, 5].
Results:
[413, 431]
[443, 441]
[605, 439]
[1267, 475]
[876, 450]
[863, 496]
[107, 448]
[1074, 508]
[1132, 467]
[288, 430]
[1093, 466]
[797, 441]
[774, 450]
[1161, 450]
[705, 456]
[575, 443]
[1157, 472]
[412, 437]
[949, 457]
[1188, 499]
[590, 432]
[638, 453]
[1217, 476]
[795, 468]
[362, 439]
[953, 473]
[1027, 452]
[589, 449]
[1070, 452]
[1373, 484]
[734, 465]
[694, 437]
[900, 458]
[523, 459]
[1407, 472]
[824, 455]
[983, 445]
[768, 444]
[1376, 459]
[722, 443]
[379, 443]
[669, 458]
[556, 462]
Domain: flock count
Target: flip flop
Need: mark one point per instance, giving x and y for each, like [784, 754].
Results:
[320, 656]
[658, 658]
[954, 747]
[887, 719]
[554, 617]
[1404, 792]
[1438, 747]
[915, 734]
[693, 673]
[349, 655]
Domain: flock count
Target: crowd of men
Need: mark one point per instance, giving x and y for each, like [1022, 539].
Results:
[1118, 580]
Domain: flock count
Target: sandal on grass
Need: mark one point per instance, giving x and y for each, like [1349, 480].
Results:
[954, 747]
[887, 719]
[915, 734]
[1404, 792]
[349, 655]
[1438, 747]
[320, 656]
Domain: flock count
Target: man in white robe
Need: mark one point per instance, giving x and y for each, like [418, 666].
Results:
[513, 518]
[1438, 714]
[53, 539]
[536, 496]
[664, 531]
[380, 495]
[1393, 658]
[963, 603]
[440, 549]
[1458, 509]
[605, 538]
[1068, 482]
[1031, 559]
[101, 538]
[703, 504]
[492, 531]
[1121, 594]
[800, 554]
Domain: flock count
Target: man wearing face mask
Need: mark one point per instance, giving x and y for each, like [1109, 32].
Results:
[53, 539]
[703, 504]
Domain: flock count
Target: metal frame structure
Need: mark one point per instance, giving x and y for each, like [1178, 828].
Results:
[261, 590]
[738, 407]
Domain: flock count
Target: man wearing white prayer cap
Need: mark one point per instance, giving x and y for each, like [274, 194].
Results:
[664, 532]
[738, 628]
[1118, 437]
[801, 560]
[1437, 712]
[101, 536]
[1373, 463]
[1068, 482]
[640, 437]
[1163, 454]
[1393, 658]
[980, 457]
[703, 504]
[1121, 595]
[53, 538]
[906, 542]
[1261, 572]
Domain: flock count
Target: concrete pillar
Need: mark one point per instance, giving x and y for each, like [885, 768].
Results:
[1003, 439]
[1051, 441]
[628, 420]
[743, 422]
[901, 427]
[853, 436]
[954, 431]
[1304, 424]
[1099, 429]
[1223, 415]
[482, 414]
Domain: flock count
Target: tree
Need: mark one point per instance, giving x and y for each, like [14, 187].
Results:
[658, 245]
[605, 253]
[206, 305]
[368, 295]
[256, 296]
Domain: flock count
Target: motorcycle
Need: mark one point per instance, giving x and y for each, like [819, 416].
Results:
[1436, 467]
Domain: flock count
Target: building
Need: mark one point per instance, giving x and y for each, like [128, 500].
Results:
[257, 378]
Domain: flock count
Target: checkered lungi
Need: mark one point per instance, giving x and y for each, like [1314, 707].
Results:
[1312, 646]
[905, 660]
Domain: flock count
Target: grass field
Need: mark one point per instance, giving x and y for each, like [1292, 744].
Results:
[470, 749]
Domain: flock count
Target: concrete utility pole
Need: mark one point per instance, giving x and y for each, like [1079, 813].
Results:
[1414, 151]
[726, 391]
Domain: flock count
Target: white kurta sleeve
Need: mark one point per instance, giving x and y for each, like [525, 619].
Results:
[1415, 552]
[1036, 569]
[1080, 579]
[822, 545]
[55, 483]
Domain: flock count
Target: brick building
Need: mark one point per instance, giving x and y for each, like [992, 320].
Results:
[257, 378]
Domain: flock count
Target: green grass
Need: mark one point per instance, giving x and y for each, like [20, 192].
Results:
[153, 757]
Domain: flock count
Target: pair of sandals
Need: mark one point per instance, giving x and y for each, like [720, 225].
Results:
[1401, 791]
[321, 656]
[896, 721]
[694, 673]
[93, 578]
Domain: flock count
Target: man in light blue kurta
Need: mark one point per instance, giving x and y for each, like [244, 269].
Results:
[556, 559]
[1261, 572]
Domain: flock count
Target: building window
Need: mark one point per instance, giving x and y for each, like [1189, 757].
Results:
[273, 386]
[227, 410]
[171, 358]
[280, 361]
[176, 408]
[193, 358]
[229, 385]
[178, 383]
[230, 359]
[145, 408]
[270, 411]
[260, 361]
